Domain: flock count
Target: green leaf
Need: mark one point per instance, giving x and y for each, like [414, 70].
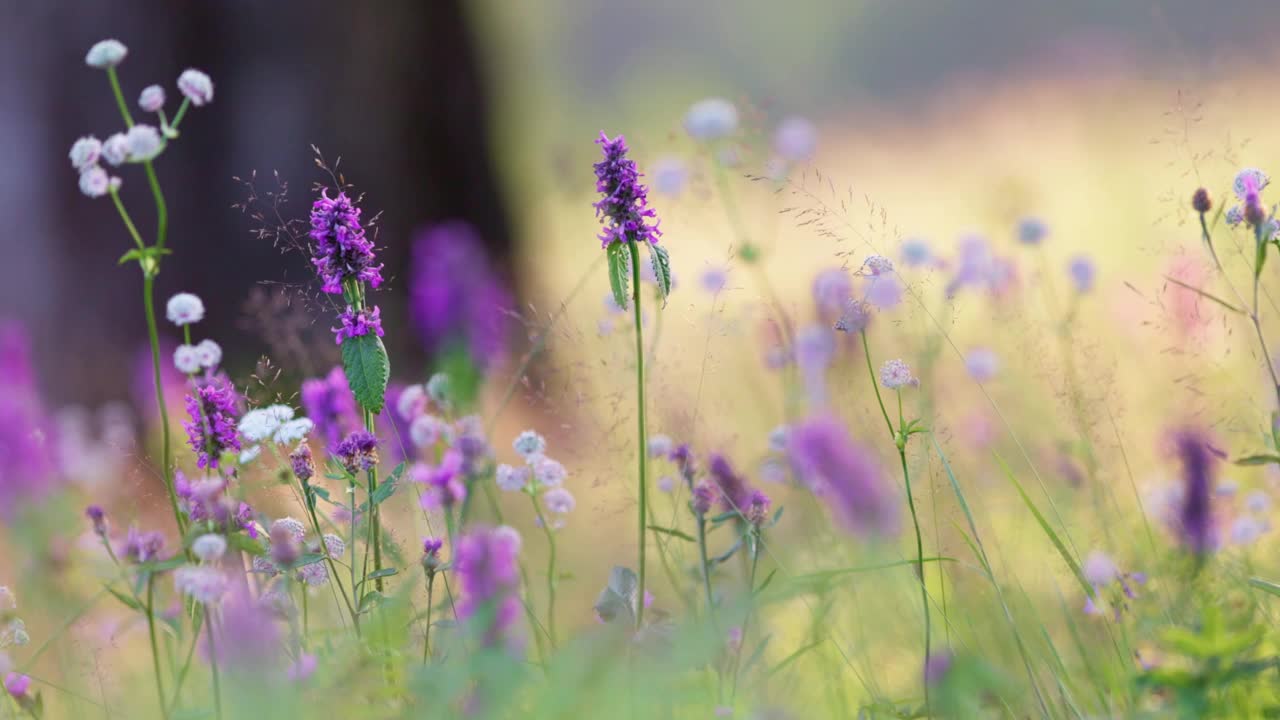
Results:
[384, 572]
[365, 360]
[661, 268]
[141, 254]
[673, 533]
[1265, 586]
[128, 601]
[369, 601]
[1048, 530]
[1260, 459]
[619, 272]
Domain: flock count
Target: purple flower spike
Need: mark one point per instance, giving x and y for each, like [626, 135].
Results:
[212, 428]
[342, 252]
[485, 562]
[357, 323]
[624, 206]
[845, 474]
[1199, 465]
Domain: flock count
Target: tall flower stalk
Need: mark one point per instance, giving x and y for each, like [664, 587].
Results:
[628, 222]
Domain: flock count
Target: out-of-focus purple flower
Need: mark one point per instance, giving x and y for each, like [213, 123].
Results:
[832, 290]
[331, 406]
[26, 463]
[302, 463]
[735, 494]
[845, 474]
[17, 685]
[982, 364]
[1082, 272]
[444, 486]
[624, 203]
[358, 451]
[211, 430]
[358, 323]
[670, 175]
[855, 318]
[98, 517]
[246, 636]
[470, 440]
[1199, 466]
[815, 347]
[485, 563]
[704, 496]
[757, 509]
[431, 547]
[711, 119]
[1032, 231]
[342, 251]
[936, 667]
[1249, 181]
[884, 291]
[714, 279]
[303, 668]
[142, 547]
[977, 266]
[558, 500]
[795, 139]
[455, 296]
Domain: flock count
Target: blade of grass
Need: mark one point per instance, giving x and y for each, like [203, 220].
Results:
[1048, 529]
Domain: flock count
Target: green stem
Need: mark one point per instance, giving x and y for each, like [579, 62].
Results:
[155, 651]
[426, 635]
[308, 500]
[162, 209]
[706, 566]
[754, 540]
[128, 221]
[551, 572]
[213, 669]
[149, 305]
[114, 79]
[641, 448]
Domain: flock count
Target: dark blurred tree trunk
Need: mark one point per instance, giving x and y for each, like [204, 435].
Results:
[393, 88]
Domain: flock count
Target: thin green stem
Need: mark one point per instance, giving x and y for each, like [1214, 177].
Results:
[128, 221]
[308, 500]
[642, 447]
[155, 651]
[162, 209]
[706, 565]
[875, 384]
[182, 112]
[754, 540]
[114, 79]
[213, 670]
[551, 571]
[374, 516]
[153, 333]
[426, 633]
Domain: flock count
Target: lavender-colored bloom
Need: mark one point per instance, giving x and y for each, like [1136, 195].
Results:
[1249, 181]
[1082, 273]
[115, 149]
[431, 547]
[982, 364]
[144, 142]
[342, 251]
[670, 175]
[94, 182]
[196, 87]
[141, 547]
[358, 451]
[209, 547]
[285, 547]
[855, 318]
[208, 354]
[936, 667]
[832, 290]
[302, 463]
[106, 54]
[883, 290]
[915, 252]
[529, 444]
[455, 295]
[624, 204]
[895, 374]
[444, 487]
[85, 153]
[757, 509]
[1032, 231]
[184, 309]
[558, 500]
[151, 99]
[247, 636]
[469, 439]
[1099, 569]
[704, 496]
[17, 685]
[98, 517]
[1199, 466]
[795, 139]
[734, 493]
[714, 279]
[358, 323]
[845, 474]
[977, 266]
[330, 405]
[511, 479]
[711, 119]
[485, 563]
[1234, 215]
[548, 472]
[203, 583]
[211, 430]
[303, 668]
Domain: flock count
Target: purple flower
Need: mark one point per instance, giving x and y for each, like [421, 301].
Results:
[624, 205]
[735, 495]
[757, 510]
[485, 563]
[444, 481]
[357, 323]
[26, 464]
[936, 667]
[454, 294]
[330, 405]
[832, 291]
[303, 464]
[246, 636]
[342, 252]
[431, 553]
[1082, 273]
[141, 547]
[17, 685]
[211, 430]
[358, 451]
[98, 517]
[1199, 466]
[845, 474]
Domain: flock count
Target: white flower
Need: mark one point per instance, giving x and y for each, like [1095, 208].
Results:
[151, 99]
[895, 374]
[711, 119]
[511, 479]
[666, 483]
[778, 438]
[334, 545]
[144, 142]
[1249, 177]
[94, 182]
[659, 445]
[559, 501]
[210, 353]
[427, 430]
[264, 566]
[547, 471]
[529, 443]
[184, 309]
[85, 152]
[412, 401]
[115, 150]
[196, 86]
[878, 264]
[259, 424]
[292, 526]
[105, 54]
[204, 584]
[187, 359]
[293, 431]
[250, 454]
[314, 574]
[209, 547]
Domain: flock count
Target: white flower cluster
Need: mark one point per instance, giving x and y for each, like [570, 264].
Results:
[539, 473]
[274, 423]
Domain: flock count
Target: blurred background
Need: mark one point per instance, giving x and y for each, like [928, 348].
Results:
[485, 111]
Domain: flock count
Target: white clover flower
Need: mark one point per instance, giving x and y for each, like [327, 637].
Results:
[896, 374]
[795, 139]
[711, 119]
[85, 152]
[151, 99]
[427, 430]
[196, 86]
[511, 479]
[334, 545]
[293, 431]
[250, 454]
[187, 359]
[261, 423]
[559, 501]
[209, 547]
[144, 142]
[203, 583]
[548, 472]
[294, 527]
[106, 54]
[660, 445]
[94, 182]
[115, 150]
[210, 353]
[184, 309]
[412, 401]
[529, 444]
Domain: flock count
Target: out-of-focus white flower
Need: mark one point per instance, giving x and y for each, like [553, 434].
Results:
[184, 309]
[548, 472]
[1099, 569]
[250, 454]
[151, 99]
[293, 431]
[116, 149]
[210, 353]
[94, 182]
[144, 142]
[187, 359]
[795, 139]
[209, 547]
[259, 424]
[196, 86]
[204, 584]
[711, 119]
[412, 401]
[559, 501]
[106, 54]
[85, 152]
[427, 430]
[511, 479]
[529, 443]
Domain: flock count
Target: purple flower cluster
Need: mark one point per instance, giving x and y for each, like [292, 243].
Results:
[825, 458]
[454, 294]
[1199, 465]
[624, 204]
[206, 500]
[356, 323]
[26, 464]
[342, 251]
[444, 487]
[141, 547]
[358, 451]
[211, 430]
[734, 493]
[485, 562]
[330, 405]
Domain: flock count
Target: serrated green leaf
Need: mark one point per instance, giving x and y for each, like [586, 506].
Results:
[365, 361]
[619, 272]
[661, 268]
